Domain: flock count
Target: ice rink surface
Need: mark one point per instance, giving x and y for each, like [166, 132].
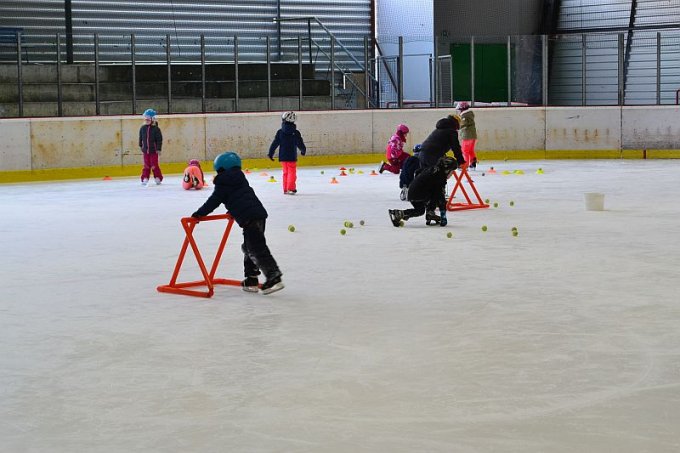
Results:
[565, 338]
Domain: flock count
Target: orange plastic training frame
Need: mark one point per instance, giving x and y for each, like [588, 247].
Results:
[209, 280]
[469, 203]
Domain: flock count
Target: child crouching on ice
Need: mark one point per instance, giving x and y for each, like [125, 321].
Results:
[394, 151]
[427, 191]
[232, 190]
[193, 176]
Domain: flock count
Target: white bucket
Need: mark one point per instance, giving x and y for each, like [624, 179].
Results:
[594, 201]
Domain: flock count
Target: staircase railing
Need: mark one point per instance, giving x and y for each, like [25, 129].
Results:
[333, 63]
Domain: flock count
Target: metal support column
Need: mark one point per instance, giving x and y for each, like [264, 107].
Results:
[133, 62]
[97, 107]
[299, 45]
[269, 76]
[584, 70]
[658, 68]
[60, 94]
[367, 73]
[400, 74]
[20, 76]
[203, 109]
[236, 93]
[309, 37]
[332, 73]
[168, 60]
[472, 71]
[621, 90]
[544, 70]
[509, 70]
[435, 73]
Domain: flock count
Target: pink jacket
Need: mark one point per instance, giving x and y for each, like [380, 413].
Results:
[395, 147]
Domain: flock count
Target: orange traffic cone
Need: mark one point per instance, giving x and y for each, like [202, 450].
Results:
[107, 178]
[333, 180]
[373, 173]
[342, 173]
[343, 168]
[264, 173]
[491, 171]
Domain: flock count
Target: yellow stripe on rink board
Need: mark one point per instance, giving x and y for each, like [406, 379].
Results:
[56, 174]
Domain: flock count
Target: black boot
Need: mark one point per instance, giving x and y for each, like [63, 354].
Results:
[397, 216]
[431, 218]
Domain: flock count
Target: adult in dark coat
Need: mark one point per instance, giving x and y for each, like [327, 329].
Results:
[427, 189]
[439, 142]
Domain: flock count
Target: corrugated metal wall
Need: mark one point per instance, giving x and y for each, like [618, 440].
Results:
[184, 20]
[589, 74]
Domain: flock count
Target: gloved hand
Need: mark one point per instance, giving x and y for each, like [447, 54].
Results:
[303, 152]
[442, 215]
[195, 215]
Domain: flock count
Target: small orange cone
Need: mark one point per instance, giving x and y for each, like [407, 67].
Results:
[264, 173]
[107, 178]
[333, 180]
[491, 171]
[373, 173]
[343, 168]
[247, 172]
[342, 173]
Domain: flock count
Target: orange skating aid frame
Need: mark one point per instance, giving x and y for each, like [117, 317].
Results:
[209, 280]
[468, 204]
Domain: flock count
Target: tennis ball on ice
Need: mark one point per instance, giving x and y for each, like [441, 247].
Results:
[291, 228]
[495, 205]
[401, 223]
[449, 234]
[514, 229]
[343, 231]
[484, 228]
[515, 233]
[350, 225]
[486, 201]
[512, 203]
[361, 222]
[322, 172]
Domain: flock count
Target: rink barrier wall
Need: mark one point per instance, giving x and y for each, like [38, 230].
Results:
[92, 147]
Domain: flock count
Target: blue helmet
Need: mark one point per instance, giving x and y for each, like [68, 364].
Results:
[417, 148]
[227, 160]
[149, 113]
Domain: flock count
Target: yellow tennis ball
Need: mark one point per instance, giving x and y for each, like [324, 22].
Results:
[484, 228]
[515, 233]
[512, 203]
[343, 231]
[291, 228]
[449, 234]
[361, 222]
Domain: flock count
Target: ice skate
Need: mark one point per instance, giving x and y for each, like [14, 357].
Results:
[272, 285]
[382, 167]
[396, 216]
[158, 181]
[432, 219]
[250, 284]
[145, 181]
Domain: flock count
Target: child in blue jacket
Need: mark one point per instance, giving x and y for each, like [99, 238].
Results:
[232, 190]
[288, 139]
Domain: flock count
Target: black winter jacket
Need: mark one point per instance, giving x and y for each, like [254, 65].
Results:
[439, 142]
[408, 171]
[289, 139]
[150, 138]
[232, 189]
[428, 187]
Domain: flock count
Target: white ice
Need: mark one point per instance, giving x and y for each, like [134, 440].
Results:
[565, 338]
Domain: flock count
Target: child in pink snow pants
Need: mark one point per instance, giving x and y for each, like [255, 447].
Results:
[193, 176]
[394, 152]
[288, 139]
[150, 142]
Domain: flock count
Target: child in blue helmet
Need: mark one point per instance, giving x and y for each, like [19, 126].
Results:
[150, 142]
[232, 190]
[408, 172]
